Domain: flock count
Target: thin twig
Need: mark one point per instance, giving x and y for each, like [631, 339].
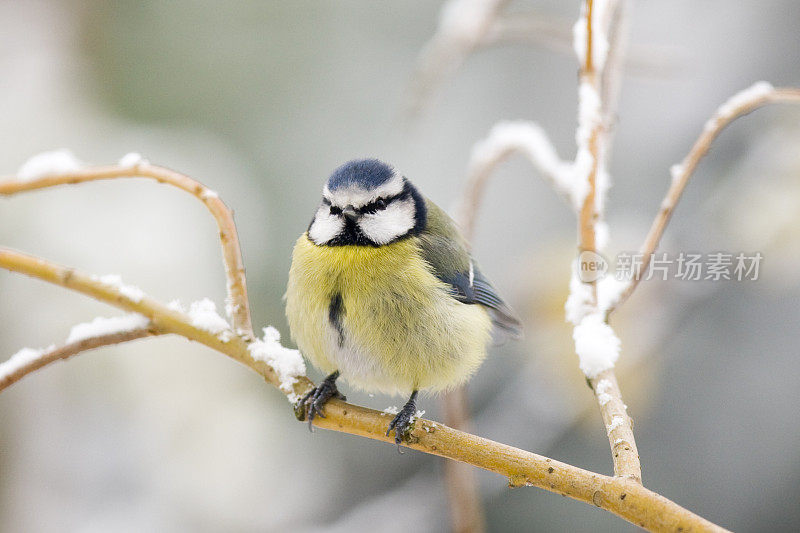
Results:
[462, 25]
[540, 29]
[74, 348]
[594, 141]
[463, 494]
[619, 496]
[644, 60]
[504, 140]
[683, 172]
[464, 499]
[231, 252]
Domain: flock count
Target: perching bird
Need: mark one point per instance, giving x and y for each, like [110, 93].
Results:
[383, 292]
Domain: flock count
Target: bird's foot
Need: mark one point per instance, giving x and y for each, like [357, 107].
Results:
[310, 406]
[403, 423]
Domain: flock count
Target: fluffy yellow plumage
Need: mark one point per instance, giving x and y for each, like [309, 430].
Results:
[383, 293]
[404, 329]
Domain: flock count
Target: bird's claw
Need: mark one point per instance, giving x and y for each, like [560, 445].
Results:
[311, 405]
[402, 424]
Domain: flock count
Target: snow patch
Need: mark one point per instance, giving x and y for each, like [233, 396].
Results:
[106, 326]
[529, 139]
[600, 16]
[465, 20]
[616, 422]
[49, 164]
[579, 301]
[287, 363]
[676, 172]
[603, 386]
[729, 108]
[609, 291]
[176, 305]
[131, 292]
[596, 344]
[203, 315]
[21, 359]
[132, 160]
[743, 97]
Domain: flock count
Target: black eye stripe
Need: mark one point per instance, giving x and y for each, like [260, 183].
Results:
[370, 208]
[381, 203]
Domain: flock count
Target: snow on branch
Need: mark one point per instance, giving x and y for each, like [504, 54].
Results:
[163, 319]
[61, 168]
[287, 363]
[101, 326]
[630, 501]
[29, 360]
[48, 164]
[21, 359]
[505, 139]
[738, 105]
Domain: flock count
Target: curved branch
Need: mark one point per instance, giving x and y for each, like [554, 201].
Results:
[163, 319]
[737, 106]
[619, 496]
[231, 252]
[462, 26]
[504, 140]
[64, 352]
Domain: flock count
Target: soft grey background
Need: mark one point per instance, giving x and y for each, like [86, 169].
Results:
[260, 101]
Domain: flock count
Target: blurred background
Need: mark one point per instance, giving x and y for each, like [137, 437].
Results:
[260, 101]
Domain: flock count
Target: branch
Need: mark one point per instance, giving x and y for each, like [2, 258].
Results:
[740, 104]
[530, 28]
[553, 33]
[17, 367]
[466, 512]
[231, 253]
[163, 319]
[504, 140]
[596, 343]
[620, 496]
[462, 26]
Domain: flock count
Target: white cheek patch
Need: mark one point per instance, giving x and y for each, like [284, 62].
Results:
[388, 224]
[325, 226]
[358, 197]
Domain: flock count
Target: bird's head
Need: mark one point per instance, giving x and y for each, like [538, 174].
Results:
[366, 202]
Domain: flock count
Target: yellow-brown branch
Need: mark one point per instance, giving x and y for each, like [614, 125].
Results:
[231, 251]
[619, 496]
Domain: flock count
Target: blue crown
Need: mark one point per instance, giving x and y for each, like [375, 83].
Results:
[366, 174]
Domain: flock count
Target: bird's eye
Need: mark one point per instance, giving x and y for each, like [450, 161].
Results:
[336, 210]
[380, 203]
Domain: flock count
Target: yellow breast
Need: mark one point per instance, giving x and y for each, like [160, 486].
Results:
[401, 330]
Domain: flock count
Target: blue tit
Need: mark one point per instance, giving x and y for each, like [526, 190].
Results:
[383, 292]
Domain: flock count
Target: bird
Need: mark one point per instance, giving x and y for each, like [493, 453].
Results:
[383, 292]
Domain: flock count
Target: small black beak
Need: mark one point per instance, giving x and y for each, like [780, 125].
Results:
[350, 213]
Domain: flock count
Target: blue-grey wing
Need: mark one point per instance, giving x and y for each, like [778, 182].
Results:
[451, 263]
[445, 250]
[472, 287]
